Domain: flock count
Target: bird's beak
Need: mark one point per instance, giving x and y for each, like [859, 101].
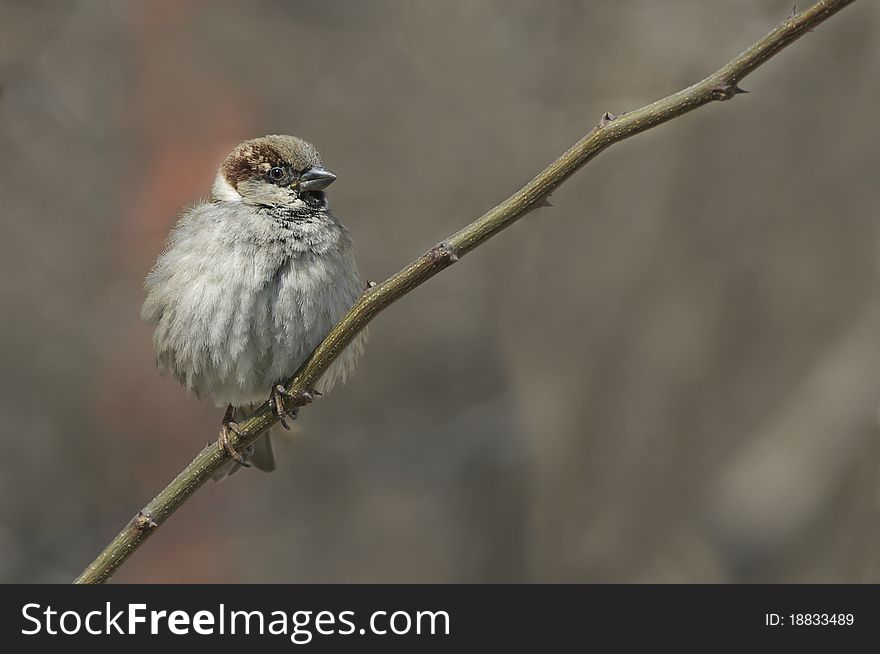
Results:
[316, 179]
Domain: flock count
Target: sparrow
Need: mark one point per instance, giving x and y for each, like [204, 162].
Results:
[249, 284]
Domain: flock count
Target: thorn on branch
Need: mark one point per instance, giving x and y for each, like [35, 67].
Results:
[443, 250]
[607, 117]
[793, 11]
[726, 90]
[144, 523]
[544, 202]
[369, 287]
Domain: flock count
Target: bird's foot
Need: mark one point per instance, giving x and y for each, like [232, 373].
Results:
[281, 397]
[227, 427]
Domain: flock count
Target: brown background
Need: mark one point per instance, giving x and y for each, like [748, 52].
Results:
[673, 375]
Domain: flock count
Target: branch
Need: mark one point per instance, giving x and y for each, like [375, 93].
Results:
[721, 85]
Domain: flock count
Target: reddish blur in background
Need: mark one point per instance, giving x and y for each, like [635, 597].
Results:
[673, 375]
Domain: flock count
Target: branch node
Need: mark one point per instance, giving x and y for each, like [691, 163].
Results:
[607, 117]
[369, 287]
[443, 250]
[726, 91]
[144, 523]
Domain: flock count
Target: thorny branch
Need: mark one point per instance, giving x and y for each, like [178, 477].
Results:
[721, 85]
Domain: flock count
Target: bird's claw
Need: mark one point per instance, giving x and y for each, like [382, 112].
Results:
[281, 396]
[225, 445]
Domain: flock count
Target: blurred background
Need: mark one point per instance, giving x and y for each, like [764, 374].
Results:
[671, 376]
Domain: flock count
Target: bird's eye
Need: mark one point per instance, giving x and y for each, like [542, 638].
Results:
[276, 173]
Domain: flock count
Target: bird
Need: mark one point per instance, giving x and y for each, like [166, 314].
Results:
[249, 283]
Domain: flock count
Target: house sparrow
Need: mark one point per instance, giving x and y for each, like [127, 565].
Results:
[250, 282]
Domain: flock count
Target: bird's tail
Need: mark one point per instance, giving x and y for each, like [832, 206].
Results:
[263, 455]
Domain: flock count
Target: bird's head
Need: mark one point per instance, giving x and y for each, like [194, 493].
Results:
[274, 171]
